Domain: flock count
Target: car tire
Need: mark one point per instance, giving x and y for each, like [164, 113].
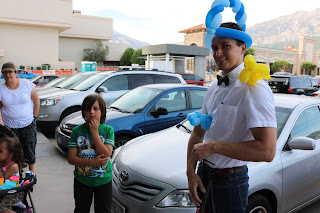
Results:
[259, 204]
[68, 112]
[121, 140]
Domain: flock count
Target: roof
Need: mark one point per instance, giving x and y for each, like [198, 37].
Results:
[198, 27]
[171, 86]
[292, 100]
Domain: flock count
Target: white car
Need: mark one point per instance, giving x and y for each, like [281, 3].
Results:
[149, 172]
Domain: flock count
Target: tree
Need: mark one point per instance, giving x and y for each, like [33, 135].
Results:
[281, 66]
[125, 59]
[135, 57]
[249, 51]
[308, 67]
[98, 54]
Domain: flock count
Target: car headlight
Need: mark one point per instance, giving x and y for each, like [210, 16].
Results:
[50, 101]
[178, 198]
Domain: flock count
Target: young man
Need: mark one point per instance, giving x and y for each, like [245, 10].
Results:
[243, 129]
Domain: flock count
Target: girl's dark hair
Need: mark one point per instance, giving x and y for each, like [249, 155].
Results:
[89, 101]
[14, 146]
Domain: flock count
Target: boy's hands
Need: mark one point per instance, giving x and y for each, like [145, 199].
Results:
[100, 160]
[94, 126]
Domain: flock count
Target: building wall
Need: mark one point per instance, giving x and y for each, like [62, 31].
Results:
[115, 51]
[29, 45]
[195, 38]
[71, 49]
[48, 13]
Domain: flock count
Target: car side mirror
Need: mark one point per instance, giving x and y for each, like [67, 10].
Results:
[159, 111]
[102, 89]
[303, 143]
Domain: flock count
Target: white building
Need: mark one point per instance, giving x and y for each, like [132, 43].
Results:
[37, 32]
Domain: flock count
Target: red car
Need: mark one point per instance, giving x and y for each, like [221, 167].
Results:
[191, 78]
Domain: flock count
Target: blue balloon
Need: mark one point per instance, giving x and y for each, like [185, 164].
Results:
[212, 12]
[205, 121]
[237, 6]
[225, 3]
[240, 13]
[195, 118]
[216, 21]
[208, 40]
[242, 20]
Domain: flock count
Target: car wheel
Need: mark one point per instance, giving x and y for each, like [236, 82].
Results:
[259, 204]
[121, 140]
[68, 112]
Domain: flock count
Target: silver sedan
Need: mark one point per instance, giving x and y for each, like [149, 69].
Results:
[149, 172]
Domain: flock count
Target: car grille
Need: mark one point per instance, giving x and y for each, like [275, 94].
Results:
[136, 191]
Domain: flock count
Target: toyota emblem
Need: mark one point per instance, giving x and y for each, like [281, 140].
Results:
[124, 175]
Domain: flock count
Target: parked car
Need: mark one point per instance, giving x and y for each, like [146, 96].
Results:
[149, 172]
[109, 84]
[51, 83]
[191, 78]
[66, 83]
[24, 74]
[317, 78]
[300, 85]
[283, 73]
[209, 84]
[143, 110]
[43, 79]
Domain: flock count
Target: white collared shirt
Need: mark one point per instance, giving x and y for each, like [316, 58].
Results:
[235, 109]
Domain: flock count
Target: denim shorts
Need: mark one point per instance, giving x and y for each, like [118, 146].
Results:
[229, 193]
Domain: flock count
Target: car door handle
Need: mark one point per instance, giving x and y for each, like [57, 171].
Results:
[181, 115]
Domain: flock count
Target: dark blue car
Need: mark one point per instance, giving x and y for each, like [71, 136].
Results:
[143, 110]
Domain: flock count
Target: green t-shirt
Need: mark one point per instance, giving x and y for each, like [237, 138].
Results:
[82, 140]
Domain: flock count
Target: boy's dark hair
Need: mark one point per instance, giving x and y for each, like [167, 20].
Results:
[14, 146]
[89, 101]
[233, 25]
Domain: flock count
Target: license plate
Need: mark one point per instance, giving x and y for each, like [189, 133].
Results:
[117, 207]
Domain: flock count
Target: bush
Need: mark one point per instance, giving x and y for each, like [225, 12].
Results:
[22, 67]
[38, 68]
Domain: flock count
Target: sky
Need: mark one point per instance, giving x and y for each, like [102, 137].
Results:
[159, 22]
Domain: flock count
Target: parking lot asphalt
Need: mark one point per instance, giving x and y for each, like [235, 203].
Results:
[54, 190]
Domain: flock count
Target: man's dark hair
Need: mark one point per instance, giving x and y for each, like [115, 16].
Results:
[233, 25]
[89, 101]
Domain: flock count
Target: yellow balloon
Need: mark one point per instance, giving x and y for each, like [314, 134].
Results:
[252, 80]
[244, 75]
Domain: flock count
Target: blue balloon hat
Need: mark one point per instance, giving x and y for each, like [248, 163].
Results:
[214, 19]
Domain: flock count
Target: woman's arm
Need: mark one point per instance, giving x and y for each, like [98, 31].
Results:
[36, 102]
[74, 159]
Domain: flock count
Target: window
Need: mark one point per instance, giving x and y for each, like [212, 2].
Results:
[173, 101]
[314, 83]
[138, 80]
[188, 77]
[44, 79]
[166, 79]
[307, 124]
[198, 78]
[197, 97]
[118, 82]
[307, 82]
[296, 82]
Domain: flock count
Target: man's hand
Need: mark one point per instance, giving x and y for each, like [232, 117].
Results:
[194, 181]
[94, 125]
[100, 160]
[202, 150]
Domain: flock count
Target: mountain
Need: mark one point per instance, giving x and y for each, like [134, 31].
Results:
[123, 39]
[280, 32]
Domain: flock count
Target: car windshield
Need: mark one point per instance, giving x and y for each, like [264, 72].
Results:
[135, 100]
[87, 83]
[282, 115]
[72, 80]
[53, 82]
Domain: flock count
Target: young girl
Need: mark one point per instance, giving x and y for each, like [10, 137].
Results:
[90, 148]
[11, 158]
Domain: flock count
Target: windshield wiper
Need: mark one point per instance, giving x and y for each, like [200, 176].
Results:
[188, 130]
[116, 108]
